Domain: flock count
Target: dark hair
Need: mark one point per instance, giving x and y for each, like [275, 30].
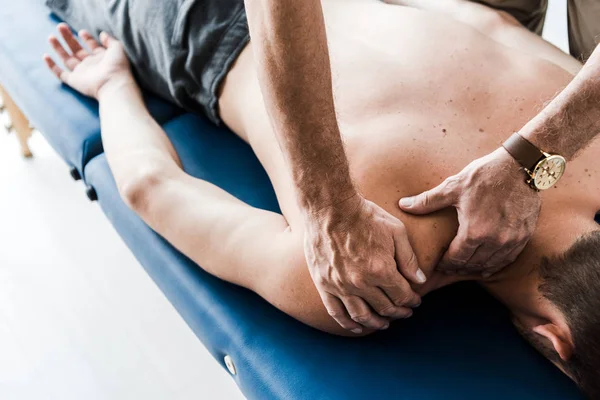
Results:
[572, 283]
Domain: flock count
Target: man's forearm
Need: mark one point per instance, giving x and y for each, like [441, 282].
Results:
[290, 47]
[572, 119]
[129, 134]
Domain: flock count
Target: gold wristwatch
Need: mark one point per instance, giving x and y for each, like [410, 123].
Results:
[543, 170]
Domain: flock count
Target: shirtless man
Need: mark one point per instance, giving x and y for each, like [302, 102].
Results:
[183, 49]
[550, 289]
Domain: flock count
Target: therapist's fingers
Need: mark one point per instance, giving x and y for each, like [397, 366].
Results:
[399, 291]
[513, 255]
[336, 309]
[383, 305]
[499, 260]
[404, 255]
[361, 313]
[444, 195]
[502, 258]
[459, 252]
[479, 261]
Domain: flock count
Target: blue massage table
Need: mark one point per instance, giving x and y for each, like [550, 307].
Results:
[459, 345]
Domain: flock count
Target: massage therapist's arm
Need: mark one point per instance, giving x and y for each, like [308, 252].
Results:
[497, 211]
[358, 254]
[570, 122]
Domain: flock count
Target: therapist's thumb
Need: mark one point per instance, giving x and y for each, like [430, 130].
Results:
[427, 202]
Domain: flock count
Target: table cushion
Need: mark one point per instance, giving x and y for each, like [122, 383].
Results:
[459, 345]
[68, 120]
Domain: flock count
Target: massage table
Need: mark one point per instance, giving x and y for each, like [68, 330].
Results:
[459, 344]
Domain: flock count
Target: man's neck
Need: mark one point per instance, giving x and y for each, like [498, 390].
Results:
[517, 285]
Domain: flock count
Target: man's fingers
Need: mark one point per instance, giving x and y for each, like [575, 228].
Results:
[89, 40]
[442, 196]
[106, 39]
[337, 311]
[58, 48]
[73, 44]
[405, 257]
[67, 59]
[56, 70]
[459, 252]
[360, 312]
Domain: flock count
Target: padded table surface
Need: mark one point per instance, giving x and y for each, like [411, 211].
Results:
[459, 345]
[68, 120]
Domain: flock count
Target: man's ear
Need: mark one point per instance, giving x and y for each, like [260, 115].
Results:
[560, 337]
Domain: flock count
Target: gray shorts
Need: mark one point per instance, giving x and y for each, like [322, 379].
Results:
[180, 49]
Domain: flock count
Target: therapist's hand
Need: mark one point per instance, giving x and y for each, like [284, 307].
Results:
[360, 259]
[497, 213]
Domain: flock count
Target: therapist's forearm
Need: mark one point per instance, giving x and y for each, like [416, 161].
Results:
[572, 119]
[291, 52]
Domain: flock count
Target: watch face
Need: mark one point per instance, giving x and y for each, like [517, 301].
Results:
[548, 171]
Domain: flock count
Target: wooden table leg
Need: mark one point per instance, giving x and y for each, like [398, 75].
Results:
[20, 124]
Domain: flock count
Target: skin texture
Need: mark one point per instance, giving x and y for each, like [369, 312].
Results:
[440, 134]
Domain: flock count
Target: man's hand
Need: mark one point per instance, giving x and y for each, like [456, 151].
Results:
[358, 256]
[497, 213]
[88, 71]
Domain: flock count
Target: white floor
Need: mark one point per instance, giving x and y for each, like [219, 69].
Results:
[79, 318]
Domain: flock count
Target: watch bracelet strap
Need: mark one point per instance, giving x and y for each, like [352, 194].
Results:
[523, 151]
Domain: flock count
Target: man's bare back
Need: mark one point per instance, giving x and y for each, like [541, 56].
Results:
[406, 124]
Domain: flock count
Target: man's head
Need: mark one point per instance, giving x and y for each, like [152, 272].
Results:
[571, 284]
